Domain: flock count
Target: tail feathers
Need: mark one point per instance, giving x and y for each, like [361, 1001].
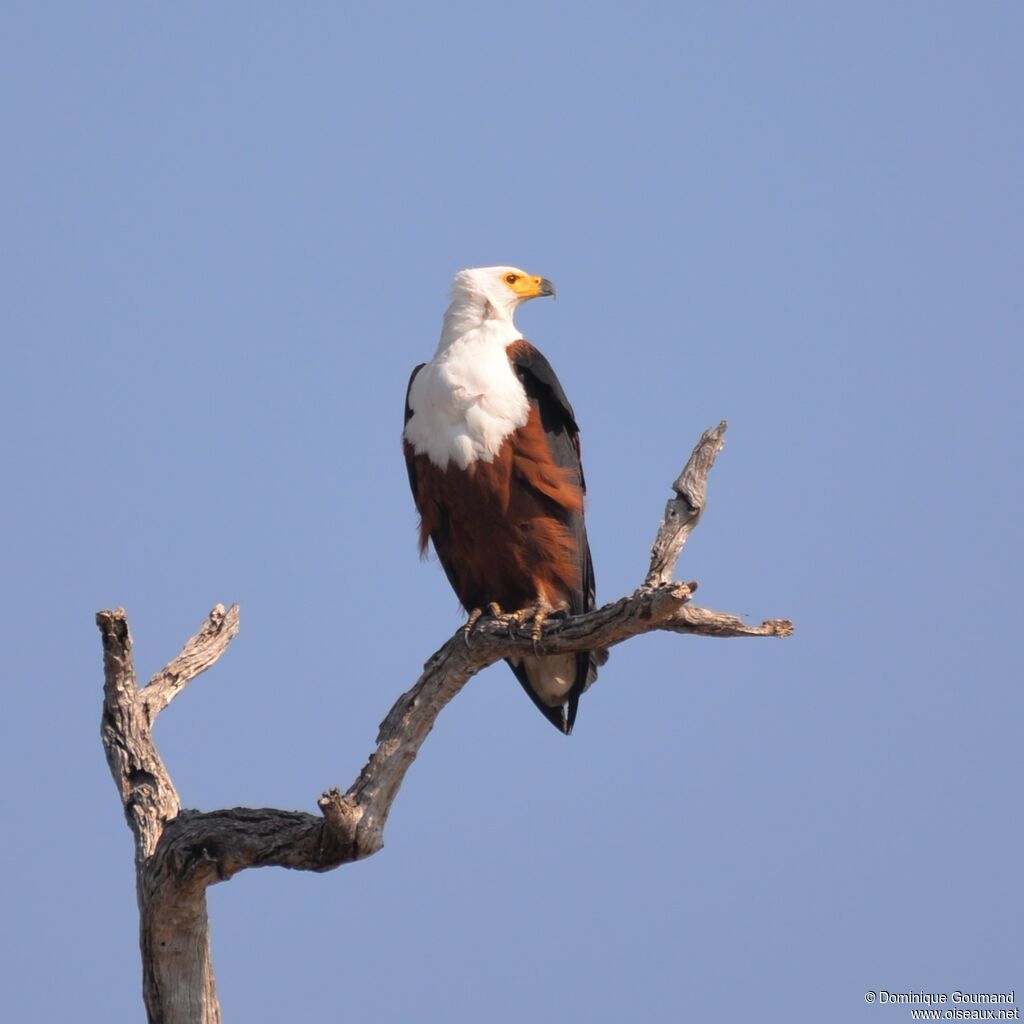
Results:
[545, 679]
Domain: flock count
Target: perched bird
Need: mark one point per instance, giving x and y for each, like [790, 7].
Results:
[493, 453]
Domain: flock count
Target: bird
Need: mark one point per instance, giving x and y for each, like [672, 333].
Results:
[493, 454]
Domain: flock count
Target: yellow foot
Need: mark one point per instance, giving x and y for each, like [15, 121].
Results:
[497, 612]
[515, 620]
[467, 629]
[539, 615]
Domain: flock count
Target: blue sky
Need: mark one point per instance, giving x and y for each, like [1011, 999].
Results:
[228, 236]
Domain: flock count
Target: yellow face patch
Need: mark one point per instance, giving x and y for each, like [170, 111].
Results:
[526, 286]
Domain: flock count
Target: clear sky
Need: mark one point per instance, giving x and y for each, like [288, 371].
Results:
[227, 236]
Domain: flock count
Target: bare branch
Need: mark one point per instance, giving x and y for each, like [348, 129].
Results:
[683, 512]
[198, 654]
[177, 978]
[705, 622]
[409, 722]
[643, 611]
[147, 793]
[210, 847]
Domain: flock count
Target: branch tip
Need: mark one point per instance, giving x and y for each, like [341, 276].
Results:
[683, 512]
[199, 653]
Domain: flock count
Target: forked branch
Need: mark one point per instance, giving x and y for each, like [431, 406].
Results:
[179, 852]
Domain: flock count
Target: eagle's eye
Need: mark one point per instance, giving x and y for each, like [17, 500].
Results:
[511, 278]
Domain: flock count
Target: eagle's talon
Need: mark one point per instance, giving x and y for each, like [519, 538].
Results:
[497, 613]
[507, 619]
[467, 629]
[538, 625]
[516, 619]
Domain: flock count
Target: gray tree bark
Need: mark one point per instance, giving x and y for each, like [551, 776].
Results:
[179, 853]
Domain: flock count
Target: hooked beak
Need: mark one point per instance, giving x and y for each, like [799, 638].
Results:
[526, 286]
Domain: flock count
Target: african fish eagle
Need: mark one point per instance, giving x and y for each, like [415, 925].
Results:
[493, 453]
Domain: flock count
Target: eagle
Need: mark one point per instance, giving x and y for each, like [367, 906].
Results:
[493, 453]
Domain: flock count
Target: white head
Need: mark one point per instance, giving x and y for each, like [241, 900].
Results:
[495, 292]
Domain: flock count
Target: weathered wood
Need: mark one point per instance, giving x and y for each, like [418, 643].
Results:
[198, 654]
[177, 969]
[683, 512]
[179, 853]
[147, 793]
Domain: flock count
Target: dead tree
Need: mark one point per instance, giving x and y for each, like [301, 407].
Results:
[178, 852]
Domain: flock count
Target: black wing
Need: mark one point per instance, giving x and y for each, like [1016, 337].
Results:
[408, 416]
[559, 422]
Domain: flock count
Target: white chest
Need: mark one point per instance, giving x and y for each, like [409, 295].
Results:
[467, 400]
